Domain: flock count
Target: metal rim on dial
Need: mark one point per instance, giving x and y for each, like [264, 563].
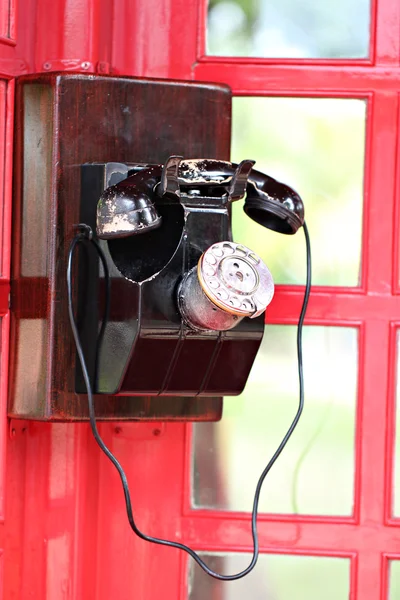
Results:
[235, 279]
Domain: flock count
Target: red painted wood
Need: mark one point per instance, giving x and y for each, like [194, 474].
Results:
[75, 524]
[4, 345]
[267, 78]
[18, 47]
[386, 18]
[80, 33]
[7, 22]
[163, 41]
[3, 175]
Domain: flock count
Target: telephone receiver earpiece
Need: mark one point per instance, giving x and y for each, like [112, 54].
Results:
[273, 204]
[128, 208]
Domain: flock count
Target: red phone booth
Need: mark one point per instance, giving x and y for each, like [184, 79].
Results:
[316, 103]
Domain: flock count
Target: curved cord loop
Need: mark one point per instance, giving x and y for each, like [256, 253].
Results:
[85, 238]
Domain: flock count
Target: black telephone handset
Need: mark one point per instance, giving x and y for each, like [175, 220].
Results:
[229, 281]
[127, 208]
[218, 283]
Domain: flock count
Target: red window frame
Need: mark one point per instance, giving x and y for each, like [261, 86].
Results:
[369, 536]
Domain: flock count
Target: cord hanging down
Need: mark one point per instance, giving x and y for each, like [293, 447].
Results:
[86, 236]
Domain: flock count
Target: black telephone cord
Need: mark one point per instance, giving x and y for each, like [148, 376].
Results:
[86, 236]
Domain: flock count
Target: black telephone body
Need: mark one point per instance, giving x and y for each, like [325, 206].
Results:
[187, 302]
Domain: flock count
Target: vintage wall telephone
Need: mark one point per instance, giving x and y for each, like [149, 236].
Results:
[207, 286]
[161, 312]
[180, 287]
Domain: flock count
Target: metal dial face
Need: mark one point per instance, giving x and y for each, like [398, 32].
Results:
[235, 279]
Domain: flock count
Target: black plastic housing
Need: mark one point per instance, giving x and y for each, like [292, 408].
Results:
[147, 349]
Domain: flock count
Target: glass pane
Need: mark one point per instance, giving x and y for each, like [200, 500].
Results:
[316, 145]
[394, 580]
[276, 577]
[288, 28]
[314, 474]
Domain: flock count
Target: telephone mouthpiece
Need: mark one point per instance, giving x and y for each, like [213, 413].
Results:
[123, 211]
